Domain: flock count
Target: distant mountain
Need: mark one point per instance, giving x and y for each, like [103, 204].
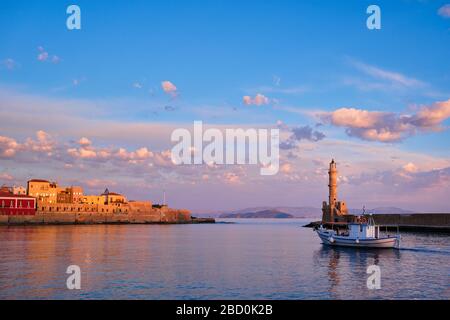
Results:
[301, 212]
[296, 212]
[266, 214]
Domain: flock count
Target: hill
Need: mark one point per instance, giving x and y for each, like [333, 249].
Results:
[298, 212]
[265, 214]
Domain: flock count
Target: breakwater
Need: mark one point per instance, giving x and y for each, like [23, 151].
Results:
[421, 222]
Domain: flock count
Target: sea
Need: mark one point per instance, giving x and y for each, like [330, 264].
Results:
[232, 259]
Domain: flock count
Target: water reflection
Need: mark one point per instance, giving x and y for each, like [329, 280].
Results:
[250, 260]
[349, 265]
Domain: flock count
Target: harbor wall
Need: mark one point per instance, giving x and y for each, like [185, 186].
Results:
[418, 221]
[161, 215]
[421, 222]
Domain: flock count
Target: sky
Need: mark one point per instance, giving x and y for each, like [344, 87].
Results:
[96, 107]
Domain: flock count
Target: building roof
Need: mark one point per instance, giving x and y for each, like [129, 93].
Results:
[107, 192]
[38, 180]
[114, 194]
[11, 195]
[111, 194]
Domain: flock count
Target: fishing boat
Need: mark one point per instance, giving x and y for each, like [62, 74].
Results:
[363, 234]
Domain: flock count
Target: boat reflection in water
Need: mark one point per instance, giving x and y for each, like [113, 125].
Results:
[338, 261]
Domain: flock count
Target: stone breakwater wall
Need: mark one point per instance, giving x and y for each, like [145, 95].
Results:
[161, 216]
[421, 222]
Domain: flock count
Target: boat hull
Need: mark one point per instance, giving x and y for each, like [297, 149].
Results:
[390, 242]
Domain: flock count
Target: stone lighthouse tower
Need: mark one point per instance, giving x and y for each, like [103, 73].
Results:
[332, 185]
[334, 209]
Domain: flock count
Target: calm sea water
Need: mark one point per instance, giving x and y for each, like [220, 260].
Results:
[251, 259]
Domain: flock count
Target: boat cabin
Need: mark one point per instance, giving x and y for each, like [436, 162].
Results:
[363, 231]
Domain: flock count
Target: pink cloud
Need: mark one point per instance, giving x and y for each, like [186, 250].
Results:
[410, 167]
[286, 168]
[444, 11]
[6, 176]
[231, 178]
[388, 126]
[44, 56]
[432, 116]
[99, 183]
[84, 142]
[44, 143]
[258, 100]
[8, 147]
[356, 118]
[169, 88]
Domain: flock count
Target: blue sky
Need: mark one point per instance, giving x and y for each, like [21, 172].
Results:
[305, 57]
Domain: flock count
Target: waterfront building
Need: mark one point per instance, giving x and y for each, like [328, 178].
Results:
[49, 192]
[43, 190]
[46, 202]
[19, 190]
[90, 199]
[112, 197]
[70, 195]
[16, 204]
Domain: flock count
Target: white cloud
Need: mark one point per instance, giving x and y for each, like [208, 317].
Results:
[137, 85]
[395, 78]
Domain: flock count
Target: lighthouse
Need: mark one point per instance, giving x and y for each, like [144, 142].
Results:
[334, 209]
[332, 185]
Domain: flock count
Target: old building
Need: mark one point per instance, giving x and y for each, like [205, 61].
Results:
[49, 192]
[43, 190]
[70, 195]
[89, 199]
[13, 204]
[47, 203]
[19, 190]
[112, 197]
